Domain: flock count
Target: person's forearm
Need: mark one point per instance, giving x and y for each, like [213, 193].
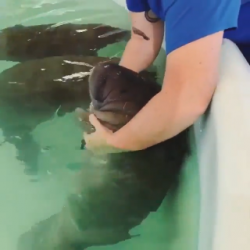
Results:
[139, 54]
[154, 124]
[191, 76]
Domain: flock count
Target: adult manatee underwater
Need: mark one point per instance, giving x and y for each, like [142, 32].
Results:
[33, 92]
[117, 191]
[22, 43]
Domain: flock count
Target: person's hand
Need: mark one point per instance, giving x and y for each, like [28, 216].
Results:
[97, 141]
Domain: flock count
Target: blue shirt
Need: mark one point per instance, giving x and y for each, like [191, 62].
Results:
[241, 35]
[189, 20]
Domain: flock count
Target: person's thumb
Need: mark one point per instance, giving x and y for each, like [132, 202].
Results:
[94, 121]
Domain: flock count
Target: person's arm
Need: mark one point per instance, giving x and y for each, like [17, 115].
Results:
[191, 73]
[189, 83]
[145, 43]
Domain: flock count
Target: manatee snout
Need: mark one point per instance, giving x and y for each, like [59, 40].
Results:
[116, 94]
[118, 89]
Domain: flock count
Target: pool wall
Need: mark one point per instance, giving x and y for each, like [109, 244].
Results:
[223, 143]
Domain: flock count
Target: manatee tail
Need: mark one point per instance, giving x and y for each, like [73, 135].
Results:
[85, 219]
[45, 236]
[60, 232]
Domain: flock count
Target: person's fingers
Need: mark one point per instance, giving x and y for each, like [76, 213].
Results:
[85, 137]
[90, 141]
[94, 121]
[90, 136]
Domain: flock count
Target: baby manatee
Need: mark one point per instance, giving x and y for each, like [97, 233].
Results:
[115, 192]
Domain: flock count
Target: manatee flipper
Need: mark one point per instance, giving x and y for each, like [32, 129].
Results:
[27, 151]
[22, 43]
[82, 118]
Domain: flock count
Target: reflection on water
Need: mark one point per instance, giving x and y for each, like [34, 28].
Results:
[24, 203]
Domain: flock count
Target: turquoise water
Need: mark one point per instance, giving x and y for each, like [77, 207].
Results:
[23, 203]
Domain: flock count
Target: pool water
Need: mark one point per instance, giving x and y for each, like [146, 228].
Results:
[24, 202]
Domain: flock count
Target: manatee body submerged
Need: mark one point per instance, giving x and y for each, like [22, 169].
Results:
[118, 191]
[33, 92]
[21, 43]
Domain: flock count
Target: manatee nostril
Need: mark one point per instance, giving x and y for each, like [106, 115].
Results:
[124, 91]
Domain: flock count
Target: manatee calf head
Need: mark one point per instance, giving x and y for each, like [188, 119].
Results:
[117, 94]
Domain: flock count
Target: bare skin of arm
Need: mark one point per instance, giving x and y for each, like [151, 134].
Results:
[190, 80]
[145, 43]
[191, 76]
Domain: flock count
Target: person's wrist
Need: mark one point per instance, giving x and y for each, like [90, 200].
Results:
[112, 143]
[130, 67]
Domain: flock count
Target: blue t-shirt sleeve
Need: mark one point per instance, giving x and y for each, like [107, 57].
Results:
[190, 20]
[137, 5]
